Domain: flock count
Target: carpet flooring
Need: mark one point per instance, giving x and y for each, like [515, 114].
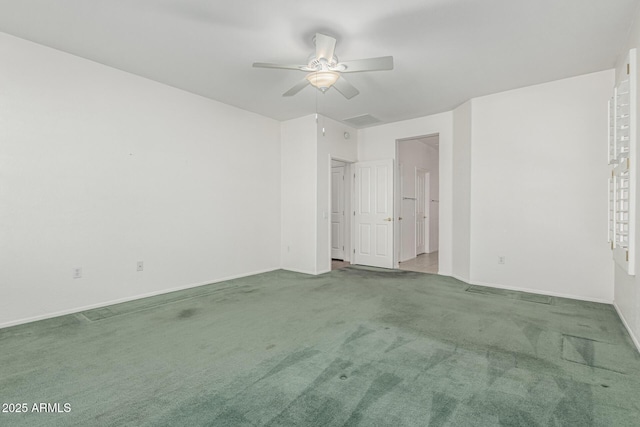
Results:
[354, 347]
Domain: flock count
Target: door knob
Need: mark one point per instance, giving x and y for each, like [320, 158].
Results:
[400, 218]
[388, 219]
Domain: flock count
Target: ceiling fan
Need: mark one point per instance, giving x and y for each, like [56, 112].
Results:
[324, 69]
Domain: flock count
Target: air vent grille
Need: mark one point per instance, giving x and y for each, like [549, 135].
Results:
[361, 121]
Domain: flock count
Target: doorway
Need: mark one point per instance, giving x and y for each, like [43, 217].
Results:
[340, 206]
[418, 203]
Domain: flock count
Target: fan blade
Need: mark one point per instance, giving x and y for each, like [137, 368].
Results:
[369, 64]
[325, 45]
[282, 66]
[345, 88]
[297, 88]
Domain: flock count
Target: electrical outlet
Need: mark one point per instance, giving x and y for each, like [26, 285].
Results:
[140, 266]
[77, 273]
[501, 260]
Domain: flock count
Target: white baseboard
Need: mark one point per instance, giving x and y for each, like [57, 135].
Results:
[539, 292]
[312, 273]
[296, 270]
[635, 339]
[127, 299]
[627, 326]
[462, 279]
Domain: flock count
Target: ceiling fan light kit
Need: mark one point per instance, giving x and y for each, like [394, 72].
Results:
[325, 70]
[323, 80]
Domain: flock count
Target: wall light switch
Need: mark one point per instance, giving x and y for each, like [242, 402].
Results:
[77, 273]
[140, 266]
[500, 260]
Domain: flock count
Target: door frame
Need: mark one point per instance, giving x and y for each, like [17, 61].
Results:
[404, 218]
[397, 197]
[341, 215]
[425, 207]
[348, 195]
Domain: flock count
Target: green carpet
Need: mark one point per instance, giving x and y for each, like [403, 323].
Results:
[354, 347]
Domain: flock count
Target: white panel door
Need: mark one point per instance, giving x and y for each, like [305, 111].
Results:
[337, 212]
[421, 216]
[374, 213]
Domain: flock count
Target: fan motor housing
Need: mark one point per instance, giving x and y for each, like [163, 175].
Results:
[322, 63]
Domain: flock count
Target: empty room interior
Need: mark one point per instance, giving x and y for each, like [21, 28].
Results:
[363, 213]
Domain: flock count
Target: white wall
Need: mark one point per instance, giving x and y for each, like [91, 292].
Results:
[331, 144]
[306, 189]
[412, 154]
[462, 191]
[379, 142]
[539, 184]
[627, 288]
[101, 169]
[299, 194]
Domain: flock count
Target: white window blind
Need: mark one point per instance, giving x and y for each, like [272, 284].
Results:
[612, 208]
[622, 120]
[612, 130]
[622, 157]
[622, 219]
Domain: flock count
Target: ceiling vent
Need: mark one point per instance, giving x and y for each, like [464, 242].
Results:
[361, 121]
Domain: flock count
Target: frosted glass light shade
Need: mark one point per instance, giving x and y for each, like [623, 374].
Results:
[323, 80]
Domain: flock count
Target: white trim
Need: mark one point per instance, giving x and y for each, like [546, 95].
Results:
[330, 210]
[531, 291]
[347, 203]
[127, 299]
[297, 270]
[462, 279]
[539, 292]
[626, 325]
[448, 273]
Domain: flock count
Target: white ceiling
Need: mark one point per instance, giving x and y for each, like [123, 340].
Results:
[445, 51]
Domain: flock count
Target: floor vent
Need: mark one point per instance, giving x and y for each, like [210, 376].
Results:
[519, 295]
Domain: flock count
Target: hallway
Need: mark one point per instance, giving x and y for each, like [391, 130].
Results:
[424, 263]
